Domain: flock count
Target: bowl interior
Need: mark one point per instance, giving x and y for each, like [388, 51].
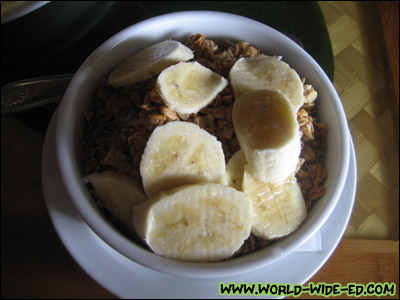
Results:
[220, 27]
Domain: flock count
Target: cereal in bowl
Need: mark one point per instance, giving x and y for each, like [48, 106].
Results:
[190, 128]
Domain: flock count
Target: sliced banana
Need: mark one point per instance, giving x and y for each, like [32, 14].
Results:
[266, 72]
[149, 62]
[278, 209]
[267, 131]
[179, 153]
[188, 87]
[235, 170]
[118, 193]
[199, 223]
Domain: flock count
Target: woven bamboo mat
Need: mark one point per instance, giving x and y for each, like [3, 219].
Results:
[363, 80]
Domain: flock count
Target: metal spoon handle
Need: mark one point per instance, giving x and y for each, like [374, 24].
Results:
[34, 92]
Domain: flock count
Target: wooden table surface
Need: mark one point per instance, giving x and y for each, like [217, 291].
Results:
[35, 264]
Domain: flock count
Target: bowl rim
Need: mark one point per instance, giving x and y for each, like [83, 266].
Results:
[79, 194]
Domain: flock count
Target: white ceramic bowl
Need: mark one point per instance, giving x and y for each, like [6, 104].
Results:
[220, 27]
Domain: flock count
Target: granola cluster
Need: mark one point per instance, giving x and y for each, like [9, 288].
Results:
[122, 119]
[311, 173]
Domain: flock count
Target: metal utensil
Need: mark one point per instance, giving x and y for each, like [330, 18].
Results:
[34, 92]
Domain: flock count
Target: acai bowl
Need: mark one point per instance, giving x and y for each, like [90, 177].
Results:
[218, 27]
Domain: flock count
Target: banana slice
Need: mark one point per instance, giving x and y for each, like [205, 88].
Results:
[149, 62]
[235, 170]
[118, 193]
[188, 87]
[199, 223]
[278, 209]
[266, 72]
[267, 131]
[179, 153]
